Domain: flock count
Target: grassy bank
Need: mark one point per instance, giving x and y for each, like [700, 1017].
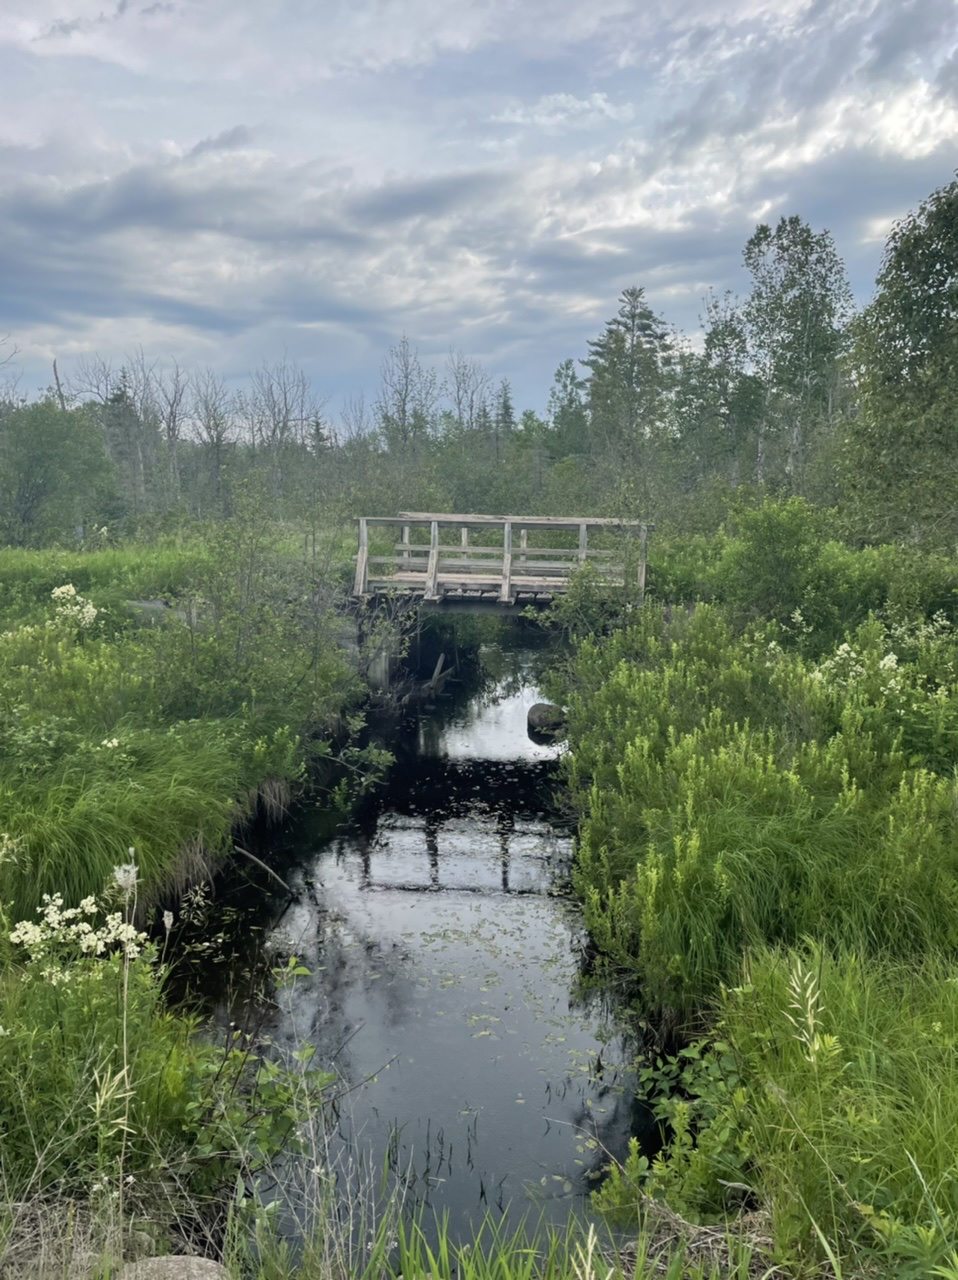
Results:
[768, 855]
[157, 729]
[151, 699]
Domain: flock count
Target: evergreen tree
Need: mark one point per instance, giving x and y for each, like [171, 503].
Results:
[628, 375]
[568, 417]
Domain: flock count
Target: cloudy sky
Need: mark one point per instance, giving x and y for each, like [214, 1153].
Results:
[226, 181]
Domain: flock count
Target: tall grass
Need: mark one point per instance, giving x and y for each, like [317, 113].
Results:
[164, 793]
[768, 846]
[853, 1101]
[113, 736]
[826, 1095]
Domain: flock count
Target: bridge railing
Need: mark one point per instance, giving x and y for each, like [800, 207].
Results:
[436, 557]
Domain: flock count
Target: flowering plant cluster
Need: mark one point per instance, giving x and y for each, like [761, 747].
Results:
[77, 928]
[72, 609]
[62, 936]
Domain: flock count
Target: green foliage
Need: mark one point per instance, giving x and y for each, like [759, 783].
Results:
[54, 473]
[697, 1096]
[899, 465]
[737, 794]
[102, 1089]
[827, 1092]
[767, 568]
[112, 734]
[768, 840]
[775, 558]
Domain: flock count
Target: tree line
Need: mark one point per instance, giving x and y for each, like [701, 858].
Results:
[786, 390]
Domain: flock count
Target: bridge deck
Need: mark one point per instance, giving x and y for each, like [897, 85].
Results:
[435, 559]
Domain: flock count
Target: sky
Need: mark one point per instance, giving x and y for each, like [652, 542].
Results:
[231, 182]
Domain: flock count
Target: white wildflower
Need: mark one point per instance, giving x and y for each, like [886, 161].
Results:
[73, 609]
[167, 920]
[27, 934]
[56, 977]
[125, 877]
[889, 662]
[112, 743]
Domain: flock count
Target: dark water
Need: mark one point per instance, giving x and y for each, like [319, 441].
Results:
[444, 956]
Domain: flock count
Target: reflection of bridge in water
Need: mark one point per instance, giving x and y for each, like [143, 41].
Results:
[435, 559]
[496, 854]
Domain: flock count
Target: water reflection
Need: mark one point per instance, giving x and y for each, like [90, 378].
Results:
[444, 956]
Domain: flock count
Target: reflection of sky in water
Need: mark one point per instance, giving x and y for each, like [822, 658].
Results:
[442, 965]
[495, 729]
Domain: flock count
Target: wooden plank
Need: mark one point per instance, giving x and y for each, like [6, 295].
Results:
[472, 582]
[435, 675]
[553, 522]
[570, 553]
[359, 585]
[480, 566]
[506, 594]
[414, 581]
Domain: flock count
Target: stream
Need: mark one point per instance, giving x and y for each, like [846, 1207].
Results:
[445, 954]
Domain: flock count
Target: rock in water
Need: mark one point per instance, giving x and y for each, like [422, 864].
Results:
[546, 722]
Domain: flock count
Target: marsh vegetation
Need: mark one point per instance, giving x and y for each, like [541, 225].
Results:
[760, 772]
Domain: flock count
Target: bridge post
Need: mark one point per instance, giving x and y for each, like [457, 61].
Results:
[362, 560]
[505, 595]
[431, 591]
[643, 557]
[583, 541]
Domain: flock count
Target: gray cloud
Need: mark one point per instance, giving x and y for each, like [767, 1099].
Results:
[64, 28]
[433, 197]
[378, 193]
[565, 111]
[229, 140]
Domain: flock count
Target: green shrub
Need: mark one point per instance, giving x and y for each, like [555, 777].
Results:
[736, 794]
[101, 1087]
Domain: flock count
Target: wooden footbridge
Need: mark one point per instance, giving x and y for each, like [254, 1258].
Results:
[504, 565]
